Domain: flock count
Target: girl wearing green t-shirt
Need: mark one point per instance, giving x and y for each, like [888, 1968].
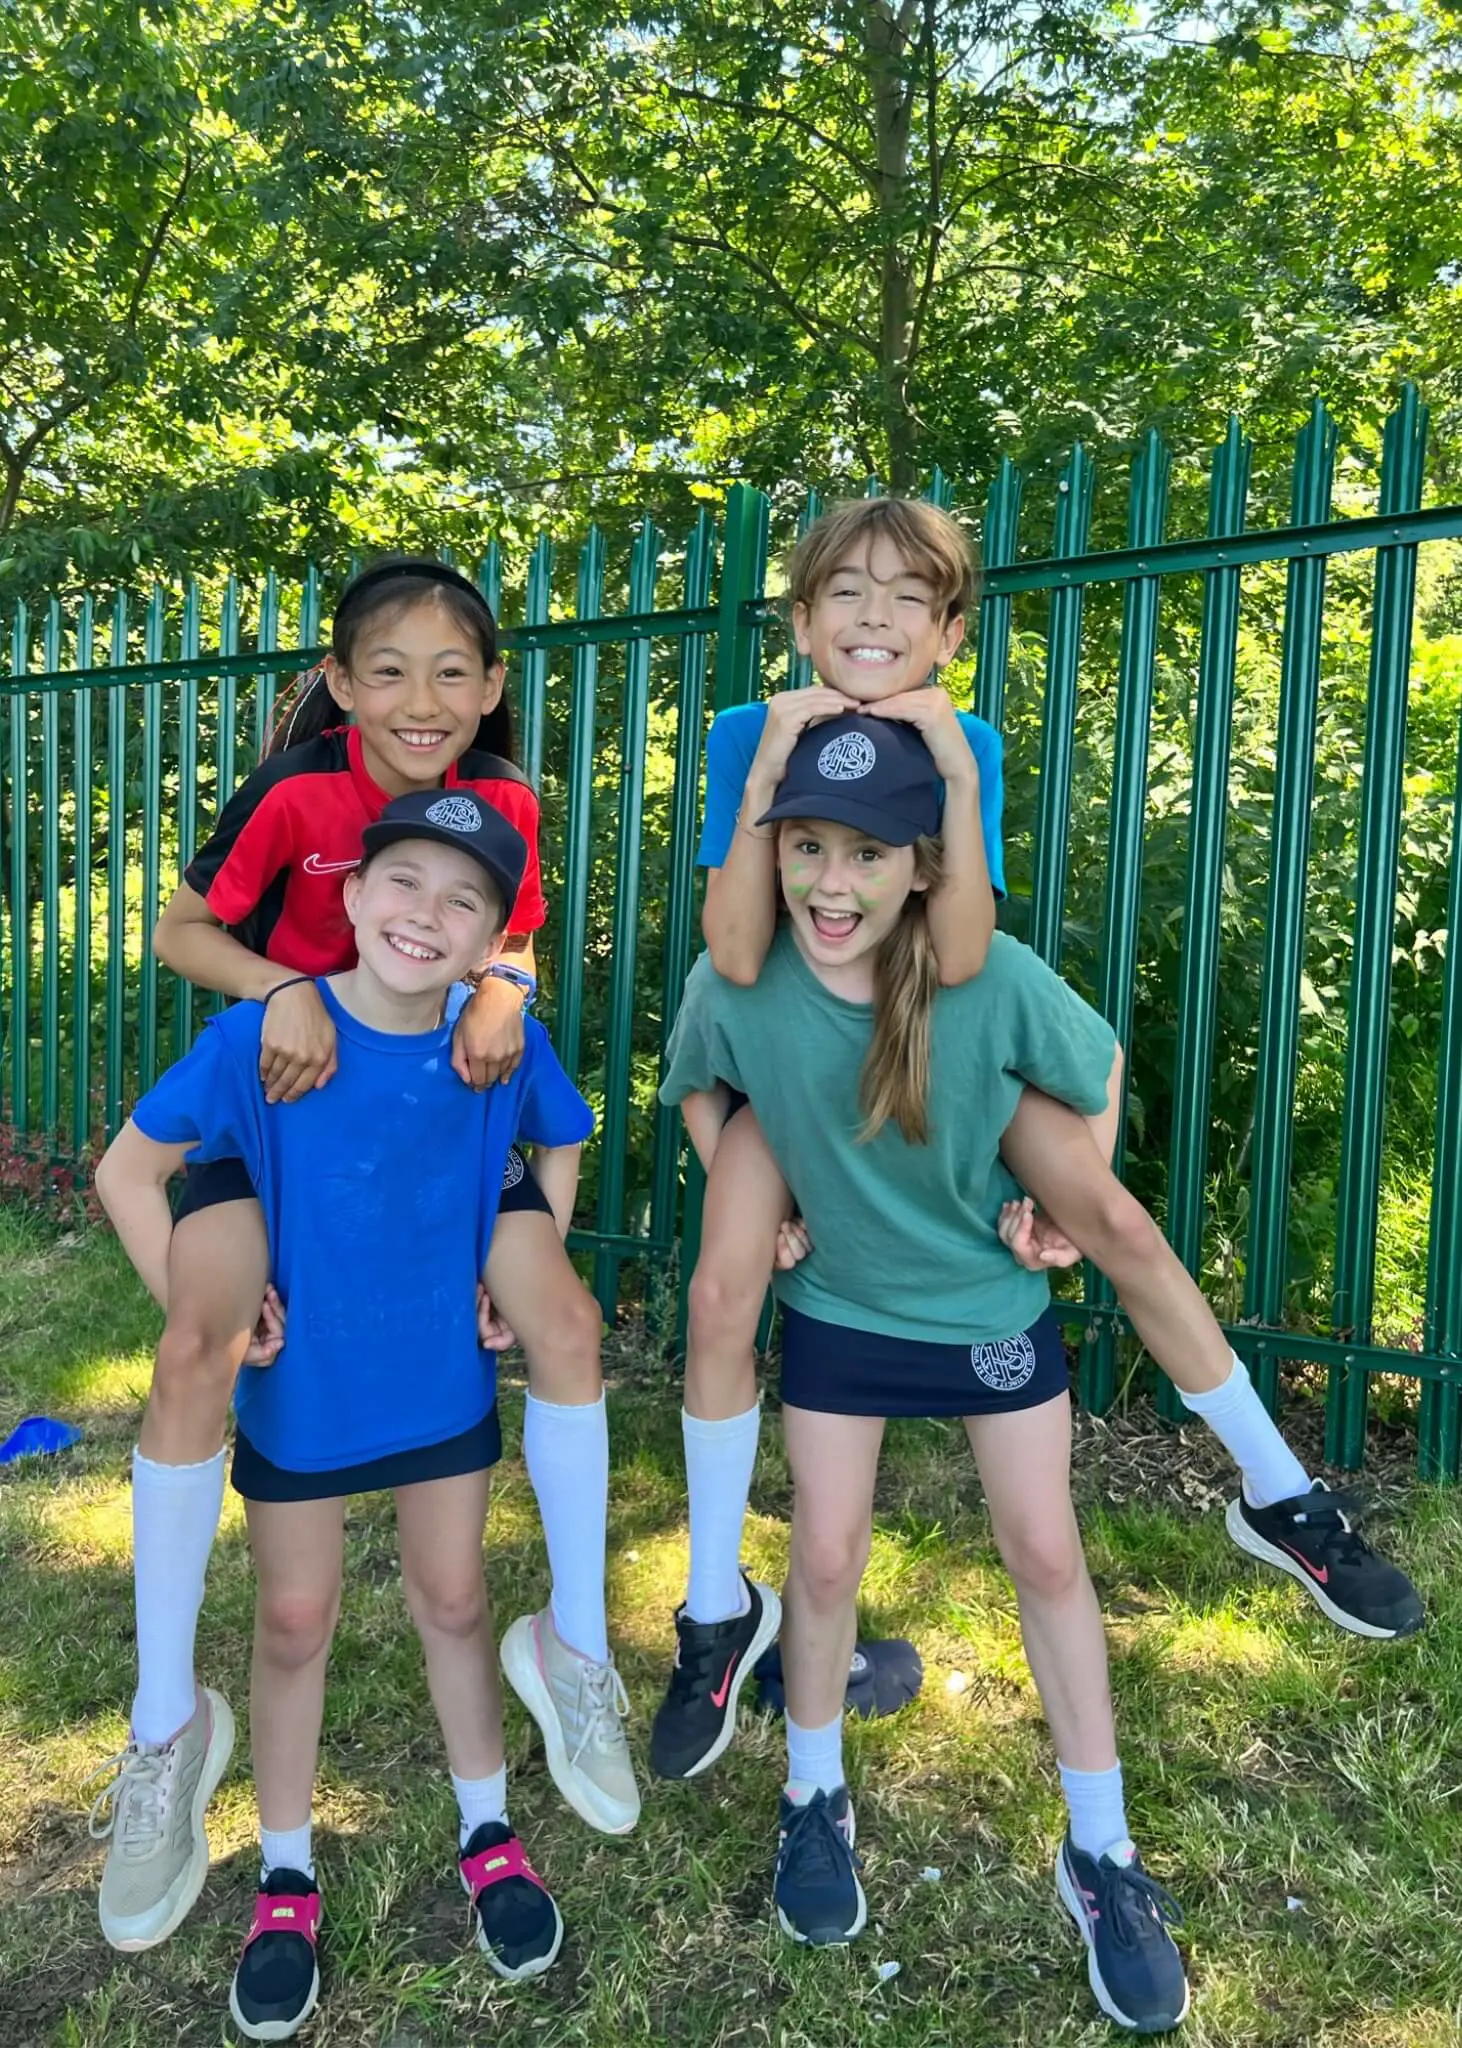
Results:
[892, 1094]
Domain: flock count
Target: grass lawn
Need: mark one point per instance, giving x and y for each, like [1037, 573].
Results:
[1296, 1788]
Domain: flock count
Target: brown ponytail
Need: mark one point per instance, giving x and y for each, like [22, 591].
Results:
[895, 1081]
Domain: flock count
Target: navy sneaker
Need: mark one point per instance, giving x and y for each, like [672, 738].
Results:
[519, 1928]
[713, 1660]
[1314, 1538]
[1123, 1916]
[818, 1897]
[277, 1982]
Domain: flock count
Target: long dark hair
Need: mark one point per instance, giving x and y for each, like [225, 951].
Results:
[396, 584]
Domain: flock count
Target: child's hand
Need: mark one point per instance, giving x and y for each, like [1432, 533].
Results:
[488, 1042]
[933, 716]
[296, 1045]
[789, 714]
[268, 1339]
[1034, 1241]
[793, 1244]
[493, 1333]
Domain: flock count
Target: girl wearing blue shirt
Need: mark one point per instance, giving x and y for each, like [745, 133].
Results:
[379, 1195]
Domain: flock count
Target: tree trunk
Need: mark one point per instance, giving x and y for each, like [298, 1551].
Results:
[891, 82]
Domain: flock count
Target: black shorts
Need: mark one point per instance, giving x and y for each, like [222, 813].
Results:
[520, 1190]
[475, 1450]
[838, 1371]
[224, 1180]
[205, 1187]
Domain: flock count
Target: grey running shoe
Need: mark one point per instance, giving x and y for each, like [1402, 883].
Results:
[581, 1709]
[150, 1813]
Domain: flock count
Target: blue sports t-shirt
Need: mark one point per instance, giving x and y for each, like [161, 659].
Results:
[379, 1191]
[735, 736]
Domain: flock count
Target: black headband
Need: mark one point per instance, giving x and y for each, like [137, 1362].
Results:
[421, 567]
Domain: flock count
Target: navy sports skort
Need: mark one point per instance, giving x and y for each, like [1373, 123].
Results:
[474, 1450]
[838, 1371]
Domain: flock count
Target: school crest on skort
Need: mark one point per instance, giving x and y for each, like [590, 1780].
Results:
[1004, 1367]
[514, 1170]
[848, 758]
[457, 813]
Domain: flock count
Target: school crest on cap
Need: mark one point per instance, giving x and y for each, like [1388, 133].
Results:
[457, 813]
[848, 758]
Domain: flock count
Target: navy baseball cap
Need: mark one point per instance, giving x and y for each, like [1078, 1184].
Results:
[873, 774]
[456, 817]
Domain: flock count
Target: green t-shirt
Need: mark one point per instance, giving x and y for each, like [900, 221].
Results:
[904, 1236]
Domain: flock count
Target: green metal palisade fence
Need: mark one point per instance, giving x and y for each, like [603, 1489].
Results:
[120, 742]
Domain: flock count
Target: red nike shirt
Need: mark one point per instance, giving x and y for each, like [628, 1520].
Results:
[274, 870]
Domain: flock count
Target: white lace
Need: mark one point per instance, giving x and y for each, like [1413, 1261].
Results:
[600, 1707]
[133, 1802]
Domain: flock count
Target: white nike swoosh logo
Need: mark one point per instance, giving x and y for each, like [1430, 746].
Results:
[313, 865]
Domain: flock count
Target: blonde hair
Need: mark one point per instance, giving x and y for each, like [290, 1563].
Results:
[927, 539]
[895, 1083]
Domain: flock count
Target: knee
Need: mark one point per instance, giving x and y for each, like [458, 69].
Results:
[724, 1304]
[294, 1628]
[190, 1354]
[1045, 1563]
[829, 1564]
[1122, 1230]
[572, 1328]
[448, 1606]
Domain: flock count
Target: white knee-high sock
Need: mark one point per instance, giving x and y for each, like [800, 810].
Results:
[1247, 1431]
[719, 1459]
[566, 1450]
[175, 1510]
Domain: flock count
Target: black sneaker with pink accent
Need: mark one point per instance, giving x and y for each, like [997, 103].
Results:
[1316, 1539]
[519, 1928]
[277, 1982]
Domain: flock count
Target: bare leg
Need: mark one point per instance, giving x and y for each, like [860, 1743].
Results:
[1050, 1150]
[834, 1460]
[1025, 1468]
[441, 1524]
[298, 1550]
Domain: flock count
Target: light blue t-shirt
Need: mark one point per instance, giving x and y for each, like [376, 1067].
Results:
[735, 736]
[379, 1191]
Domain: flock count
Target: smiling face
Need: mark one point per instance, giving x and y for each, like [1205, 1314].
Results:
[844, 892]
[417, 686]
[425, 915]
[874, 627]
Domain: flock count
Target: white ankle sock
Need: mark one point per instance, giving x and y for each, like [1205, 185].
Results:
[814, 1759]
[480, 1800]
[1245, 1428]
[175, 1510]
[287, 1849]
[1097, 1811]
[719, 1460]
[566, 1450]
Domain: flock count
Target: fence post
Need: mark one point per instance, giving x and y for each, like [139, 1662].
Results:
[117, 871]
[152, 716]
[1363, 1118]
[578, 819]
[999, 539]
[619, 1036]
[19, 875]
[1284, 927]
[51, 886]
[1203, 882]
[1439, 1418]
[1146, 517]
[679, 937]
[743, 580]
[81, 944]
[1058, 726]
